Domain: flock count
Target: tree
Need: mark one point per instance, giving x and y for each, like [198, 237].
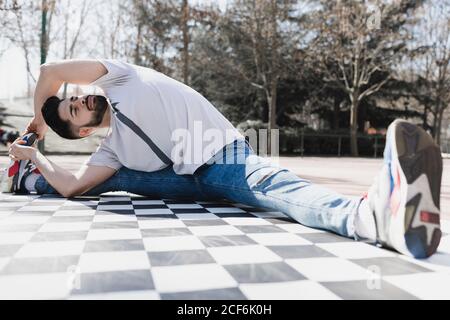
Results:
[185, 31]
[18, 26]
[432, 64]
[357, 46]
[258, 60]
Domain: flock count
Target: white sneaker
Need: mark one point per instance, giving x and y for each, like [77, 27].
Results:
[405, 197]
[12, 180]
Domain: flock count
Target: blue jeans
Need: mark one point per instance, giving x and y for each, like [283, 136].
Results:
[238, 175]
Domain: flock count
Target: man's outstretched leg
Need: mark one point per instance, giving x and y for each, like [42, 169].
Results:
[400, 211]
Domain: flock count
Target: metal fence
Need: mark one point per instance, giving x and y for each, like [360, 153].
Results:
[303, 143]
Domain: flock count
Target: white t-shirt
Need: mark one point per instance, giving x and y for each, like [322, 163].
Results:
[180, 121]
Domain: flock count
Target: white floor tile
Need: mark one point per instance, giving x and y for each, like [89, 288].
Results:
[124, 295]
[22, 198]
[74, 213]
[191, 277]
[4, 262]
[18, 220]
[243, 254]
[113, 261]
[57, 286]
[80, 203]
[5, 214]
[49, 200]
[15, 237]
[298, 228]
[161, 223]
[246, 221]
[172, 243]
[50, 249]
[278, 239]
[115, 218]
[113, 234]
[12, 204]
[329, 269]
[196, 216]
[39, 208]
[65, 226]
[424, 285]
[296, 290]
[355, 250]
[215, 230]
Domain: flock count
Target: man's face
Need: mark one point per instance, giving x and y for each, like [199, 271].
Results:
[83, 111]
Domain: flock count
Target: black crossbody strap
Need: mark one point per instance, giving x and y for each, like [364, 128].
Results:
[130, 124]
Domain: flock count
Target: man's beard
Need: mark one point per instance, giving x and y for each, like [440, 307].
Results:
[101, 104]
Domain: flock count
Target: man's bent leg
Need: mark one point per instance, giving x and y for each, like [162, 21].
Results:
[161, 184]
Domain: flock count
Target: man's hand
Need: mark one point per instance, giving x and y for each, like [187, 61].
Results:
[38, 126]
[19, 152]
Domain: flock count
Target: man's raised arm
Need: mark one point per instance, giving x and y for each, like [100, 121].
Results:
[52, 76]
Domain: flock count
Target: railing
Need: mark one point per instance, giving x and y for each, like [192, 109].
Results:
[377, 141]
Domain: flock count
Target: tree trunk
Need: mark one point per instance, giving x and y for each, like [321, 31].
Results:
[439, 127]
[354, 127]
[435, 131]
[44, 48]
[137, 49]
[425, 118]
[336, 111]
[185, 29]
[272, 102]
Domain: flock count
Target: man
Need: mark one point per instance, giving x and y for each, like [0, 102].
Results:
[150, 150]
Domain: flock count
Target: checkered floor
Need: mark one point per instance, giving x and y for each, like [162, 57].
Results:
[127, 247]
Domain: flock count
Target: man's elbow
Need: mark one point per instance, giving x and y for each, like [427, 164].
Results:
[47, 68]
[68, 193]
[44, 68]
[71, 192]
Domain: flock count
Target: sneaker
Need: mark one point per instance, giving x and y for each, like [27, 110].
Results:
[405, 197]
[13, 179]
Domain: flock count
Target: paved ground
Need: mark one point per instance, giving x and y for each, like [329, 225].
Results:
[127, 247]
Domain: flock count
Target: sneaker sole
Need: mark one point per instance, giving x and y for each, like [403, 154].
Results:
[419, 163]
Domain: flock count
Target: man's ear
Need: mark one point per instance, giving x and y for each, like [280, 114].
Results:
[85, 131]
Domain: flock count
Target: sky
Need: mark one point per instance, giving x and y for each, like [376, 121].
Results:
[13, 76]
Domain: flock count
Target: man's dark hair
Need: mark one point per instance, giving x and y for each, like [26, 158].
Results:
[51, 117]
